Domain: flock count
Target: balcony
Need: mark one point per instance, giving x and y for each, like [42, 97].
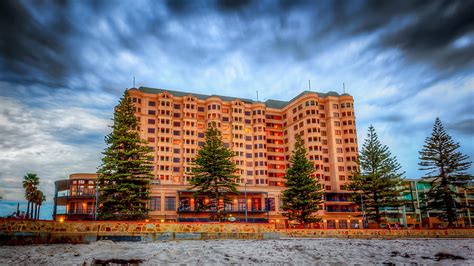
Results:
[192, 207]
[338, 208]
[188, 209]
[337, 197]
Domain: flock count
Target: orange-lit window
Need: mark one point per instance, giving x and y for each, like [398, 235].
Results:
[176, 142]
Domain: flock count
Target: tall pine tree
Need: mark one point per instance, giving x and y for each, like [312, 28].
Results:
[124, 176]
[379, 181]
[303, 194]
[213, 173]
[447, 169]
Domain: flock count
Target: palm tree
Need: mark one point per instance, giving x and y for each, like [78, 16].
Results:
[34, 201]
[43, 198]
[30, 183]
[38, 200]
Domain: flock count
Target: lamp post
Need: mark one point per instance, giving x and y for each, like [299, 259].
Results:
[246, 203]
[363, 212]
[96, 199]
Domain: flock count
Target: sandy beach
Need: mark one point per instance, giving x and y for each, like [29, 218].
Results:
[283, 251]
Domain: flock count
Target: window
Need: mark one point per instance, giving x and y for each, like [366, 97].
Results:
[151, 121]
[177, 106]
[150, 103]
[155, 203]
[270, 204]
[151, 112]
[170, 203]
[151, 130]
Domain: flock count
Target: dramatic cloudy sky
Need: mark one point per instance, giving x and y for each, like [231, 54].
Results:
[64, 64]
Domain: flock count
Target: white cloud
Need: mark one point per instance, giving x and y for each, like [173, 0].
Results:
[33, 140]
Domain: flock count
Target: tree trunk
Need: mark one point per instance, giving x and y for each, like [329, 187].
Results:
[27, 210]
[39, 211]
[377, 211]
[32, 208]
[450, 212]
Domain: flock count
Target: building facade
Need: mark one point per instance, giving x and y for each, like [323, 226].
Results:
[262, 134]
[413, 213]
[74, 198]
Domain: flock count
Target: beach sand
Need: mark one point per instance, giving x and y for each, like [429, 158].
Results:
[217, 252]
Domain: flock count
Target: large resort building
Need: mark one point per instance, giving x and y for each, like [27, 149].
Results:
[262, 135]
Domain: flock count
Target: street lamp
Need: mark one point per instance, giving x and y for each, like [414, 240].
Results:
[96, 199]
[363, 211]
[246, 203]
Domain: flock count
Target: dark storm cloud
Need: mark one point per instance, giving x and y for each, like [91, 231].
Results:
[32, 50]
[465, 126]
[433, 32]
[424, 31]
[392, 118]
[232, 5]
[42, 40]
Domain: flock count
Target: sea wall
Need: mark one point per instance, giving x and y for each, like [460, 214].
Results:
[20, 232]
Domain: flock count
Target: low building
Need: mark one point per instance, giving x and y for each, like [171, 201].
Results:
[413, 213]
[74, 198]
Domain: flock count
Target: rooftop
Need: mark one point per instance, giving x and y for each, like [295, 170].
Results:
[277, 104]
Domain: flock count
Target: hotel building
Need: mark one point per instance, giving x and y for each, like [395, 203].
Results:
[262, 135]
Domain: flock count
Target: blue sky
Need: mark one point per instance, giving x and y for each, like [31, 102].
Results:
[64, 64]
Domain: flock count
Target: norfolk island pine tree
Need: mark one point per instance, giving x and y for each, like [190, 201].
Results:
[124, 176]
[213, 172]
[303, 193]
[378, 181]
[446, 170]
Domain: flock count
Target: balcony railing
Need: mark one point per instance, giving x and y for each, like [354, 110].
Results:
[340, 210]
[228, 210]
[337, 199]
